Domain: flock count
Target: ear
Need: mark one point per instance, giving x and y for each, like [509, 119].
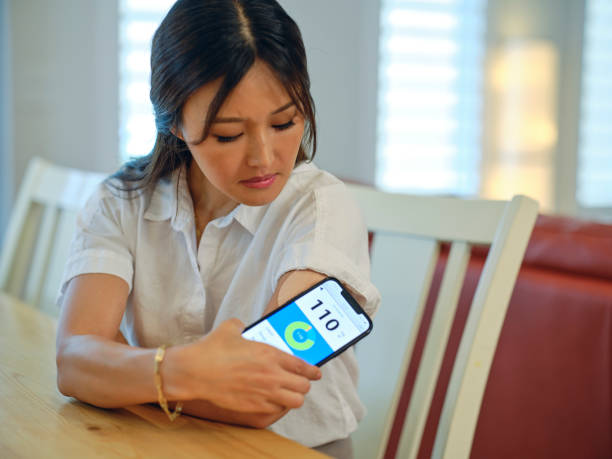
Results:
[177, 133]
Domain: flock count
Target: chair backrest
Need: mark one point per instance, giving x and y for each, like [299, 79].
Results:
[40, 229]
[408, 231]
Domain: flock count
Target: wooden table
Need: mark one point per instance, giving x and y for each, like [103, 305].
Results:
[37, 421]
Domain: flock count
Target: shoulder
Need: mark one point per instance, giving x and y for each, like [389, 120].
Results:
[319, 187]
[318, 200]
[112, 194]
[307, 176]
[113, 200]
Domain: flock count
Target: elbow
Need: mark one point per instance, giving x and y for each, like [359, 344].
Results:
[62, 379]
[62, 386]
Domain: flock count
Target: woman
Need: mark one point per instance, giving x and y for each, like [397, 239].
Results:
[225, 220]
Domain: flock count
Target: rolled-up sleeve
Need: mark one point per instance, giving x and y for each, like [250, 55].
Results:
[100, 244]
[327, 234]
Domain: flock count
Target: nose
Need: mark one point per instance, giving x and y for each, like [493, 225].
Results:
[260, 152]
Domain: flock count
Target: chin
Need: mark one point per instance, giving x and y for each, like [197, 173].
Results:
[261, 197]
[258, 200]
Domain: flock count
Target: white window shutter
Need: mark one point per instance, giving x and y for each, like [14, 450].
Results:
[594, 177]
[138, 20]
[430, 95]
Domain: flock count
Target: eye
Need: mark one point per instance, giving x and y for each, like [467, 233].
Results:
[227, 139]
[282, 127]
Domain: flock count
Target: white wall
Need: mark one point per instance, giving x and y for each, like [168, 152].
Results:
[64, 83]
[6, 147]
[341, 40]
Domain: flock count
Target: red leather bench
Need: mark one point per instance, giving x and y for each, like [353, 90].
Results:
[549, 393]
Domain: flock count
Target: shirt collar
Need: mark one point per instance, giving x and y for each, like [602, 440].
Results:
[171, 200]
[250, 217]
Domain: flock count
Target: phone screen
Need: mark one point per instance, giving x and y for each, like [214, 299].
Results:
[317, 325]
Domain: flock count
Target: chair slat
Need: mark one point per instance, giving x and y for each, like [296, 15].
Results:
[66, 226]
[433, 353]
[40, 260]
[479, 341]
[15, 280]
[403, 269]
[21, 210]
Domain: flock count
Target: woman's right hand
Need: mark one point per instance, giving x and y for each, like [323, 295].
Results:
[235, 373]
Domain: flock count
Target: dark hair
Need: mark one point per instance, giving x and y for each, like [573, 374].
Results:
[200, 41]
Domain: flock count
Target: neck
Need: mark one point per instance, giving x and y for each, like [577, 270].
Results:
[208, 202]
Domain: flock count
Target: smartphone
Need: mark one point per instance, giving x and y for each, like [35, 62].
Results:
[317, 325]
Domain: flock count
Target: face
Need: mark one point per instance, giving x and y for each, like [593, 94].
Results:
[253, 142]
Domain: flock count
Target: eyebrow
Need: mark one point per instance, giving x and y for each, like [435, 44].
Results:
[239, 120]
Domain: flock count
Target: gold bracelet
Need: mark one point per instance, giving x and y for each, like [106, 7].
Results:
[159, 357]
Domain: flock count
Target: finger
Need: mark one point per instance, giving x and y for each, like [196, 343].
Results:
[288, 398]
[275, 408]
[300, 367]
[296, 383]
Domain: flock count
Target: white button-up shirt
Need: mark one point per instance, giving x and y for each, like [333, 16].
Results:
[179, 291]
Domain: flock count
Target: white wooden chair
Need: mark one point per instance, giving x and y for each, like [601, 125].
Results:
[408, 231]
[40, 229]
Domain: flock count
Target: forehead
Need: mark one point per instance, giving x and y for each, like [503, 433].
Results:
[259, 93]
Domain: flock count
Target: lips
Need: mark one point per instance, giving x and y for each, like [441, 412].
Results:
[263, 181]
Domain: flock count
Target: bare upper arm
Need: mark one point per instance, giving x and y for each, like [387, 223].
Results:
[291, 284]
[93, 305]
